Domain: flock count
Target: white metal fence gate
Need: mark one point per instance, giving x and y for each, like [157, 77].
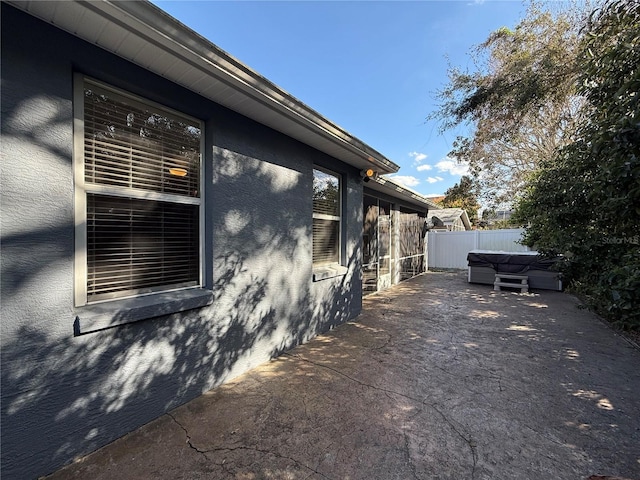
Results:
[450, 249]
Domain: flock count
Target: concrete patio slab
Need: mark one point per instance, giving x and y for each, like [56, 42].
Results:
[437, 379]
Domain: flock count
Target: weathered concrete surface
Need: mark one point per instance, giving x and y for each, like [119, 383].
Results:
[437, 379]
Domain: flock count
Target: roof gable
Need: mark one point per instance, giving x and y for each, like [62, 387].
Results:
[450, 215]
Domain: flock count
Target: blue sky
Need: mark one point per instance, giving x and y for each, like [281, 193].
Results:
[371, 67]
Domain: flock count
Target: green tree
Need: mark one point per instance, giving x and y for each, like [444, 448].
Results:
[585, 202]
[463, 195]
[520, 103]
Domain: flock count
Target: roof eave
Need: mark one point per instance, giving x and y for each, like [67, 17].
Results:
[391, 188]
[217, 75]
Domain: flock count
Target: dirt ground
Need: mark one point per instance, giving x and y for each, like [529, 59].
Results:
[437, 379]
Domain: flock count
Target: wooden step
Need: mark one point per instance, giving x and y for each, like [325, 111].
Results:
[523, 278]
[523, 288]
[523, 285]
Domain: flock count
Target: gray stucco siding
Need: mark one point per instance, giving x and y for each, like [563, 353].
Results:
[65, 395]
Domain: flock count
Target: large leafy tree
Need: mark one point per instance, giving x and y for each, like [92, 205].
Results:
[519, 104]
[463, 195]
[585, 201]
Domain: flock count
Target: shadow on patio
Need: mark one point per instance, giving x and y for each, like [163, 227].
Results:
[437, 378]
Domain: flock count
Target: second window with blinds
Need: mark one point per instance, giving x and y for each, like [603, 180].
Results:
[326, 217]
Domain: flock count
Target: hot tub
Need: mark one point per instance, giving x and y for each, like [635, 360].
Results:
[484, 264]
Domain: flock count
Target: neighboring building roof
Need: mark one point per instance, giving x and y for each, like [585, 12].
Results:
[450, 215]
[437, 200]
[144, 34]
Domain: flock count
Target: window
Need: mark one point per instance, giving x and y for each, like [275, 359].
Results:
[138, 196]
[326, 217]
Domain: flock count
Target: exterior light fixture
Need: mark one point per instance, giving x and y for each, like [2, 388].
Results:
[178, 172]
[368, 174]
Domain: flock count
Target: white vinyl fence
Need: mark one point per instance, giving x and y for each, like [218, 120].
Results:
[450, 249]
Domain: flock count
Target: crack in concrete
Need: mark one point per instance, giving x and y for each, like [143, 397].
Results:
[231, 449]
[364, 384]
[269, 452]
[468, 441]
[412, 465]
[383, 332]
[472, 446]
[386, 343]
[466, 378]
[546, 436]
[502, 386]
[320, 457]
[186, 432]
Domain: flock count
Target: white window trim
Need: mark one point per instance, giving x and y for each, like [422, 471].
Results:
[326, 270]
[100, 314]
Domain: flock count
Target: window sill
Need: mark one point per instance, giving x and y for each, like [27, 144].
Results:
[328, 271]
[119, 312]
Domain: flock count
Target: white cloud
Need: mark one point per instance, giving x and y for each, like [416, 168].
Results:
[434, 195]
[424, 168]
[434, 179]
[452, 167]
[406, 180]
[418, 157]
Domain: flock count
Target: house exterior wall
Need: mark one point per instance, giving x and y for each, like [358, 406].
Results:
[64, 395]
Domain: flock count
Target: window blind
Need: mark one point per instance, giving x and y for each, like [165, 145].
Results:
[326, 217]
[129, 145]
[325, 240]
[136, 246]
[142, 182]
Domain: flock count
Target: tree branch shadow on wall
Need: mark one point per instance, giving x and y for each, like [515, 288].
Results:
[64, 396]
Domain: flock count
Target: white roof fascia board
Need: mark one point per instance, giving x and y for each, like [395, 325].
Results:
[391, 188]
[263, 101]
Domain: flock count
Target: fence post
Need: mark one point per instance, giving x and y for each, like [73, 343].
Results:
[476, 240]
[426, 251]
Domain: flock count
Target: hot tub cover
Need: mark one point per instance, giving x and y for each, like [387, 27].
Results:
[510, 262]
